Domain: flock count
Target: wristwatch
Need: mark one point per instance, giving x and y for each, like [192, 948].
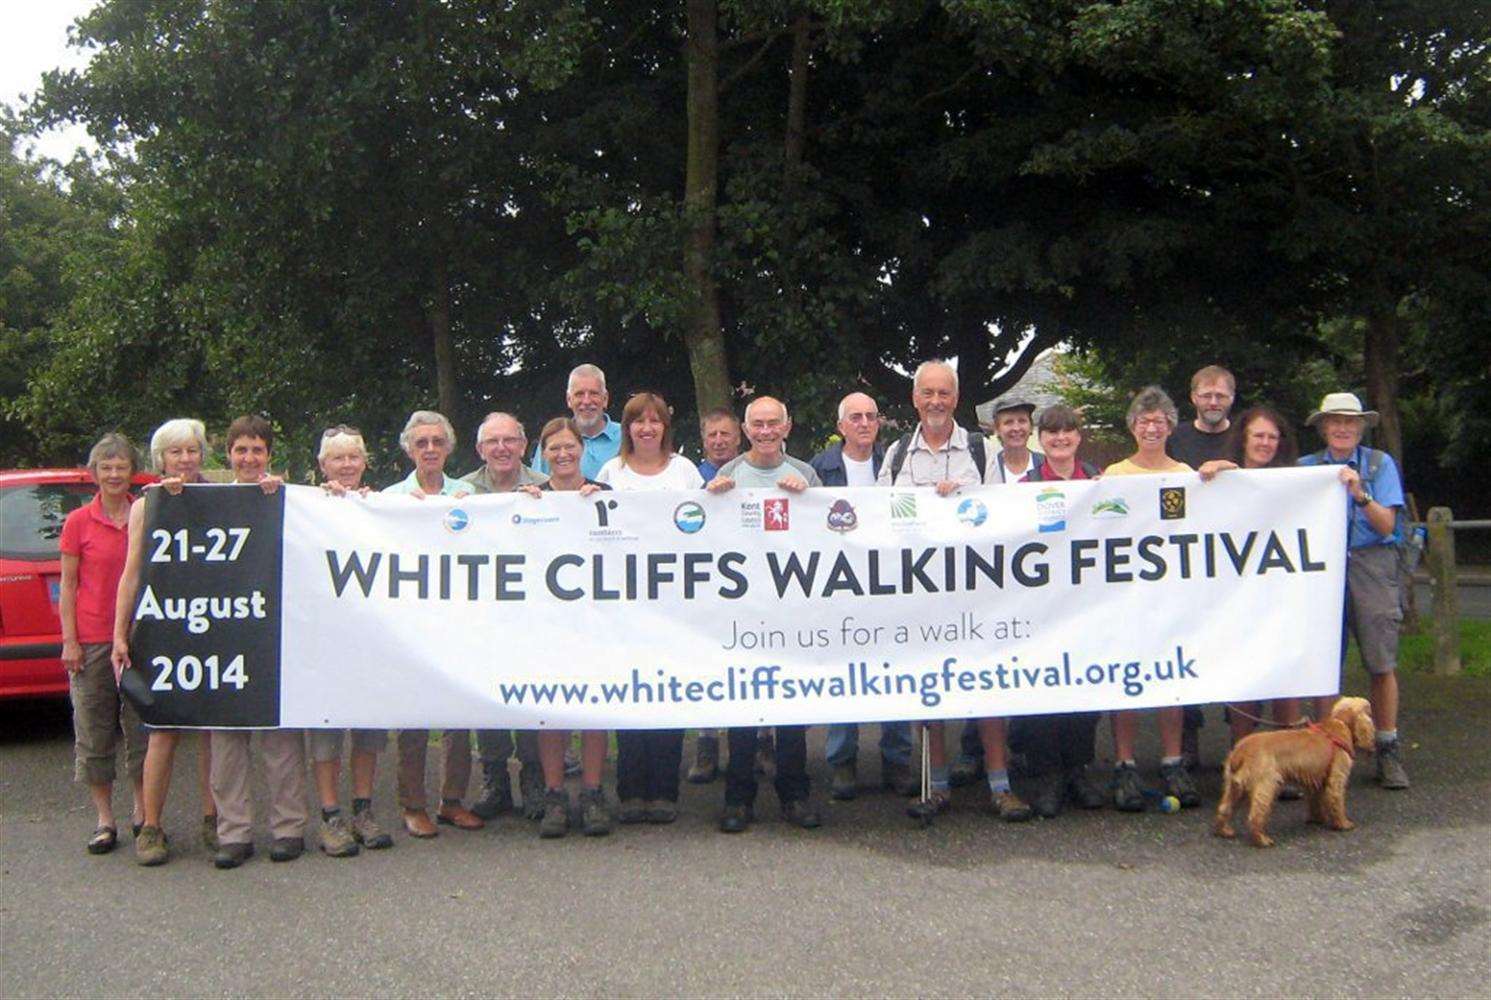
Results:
[1366, 498]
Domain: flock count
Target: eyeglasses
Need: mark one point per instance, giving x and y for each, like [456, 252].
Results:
[341, 429]
[510, 442]
[1152, 422]
[862, 418]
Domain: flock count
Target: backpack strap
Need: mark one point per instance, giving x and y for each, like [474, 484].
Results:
[899, 458]
[976, 452]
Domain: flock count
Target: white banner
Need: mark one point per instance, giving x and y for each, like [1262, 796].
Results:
[642, 610]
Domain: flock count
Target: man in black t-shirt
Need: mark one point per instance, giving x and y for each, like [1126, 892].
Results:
[1212, 391]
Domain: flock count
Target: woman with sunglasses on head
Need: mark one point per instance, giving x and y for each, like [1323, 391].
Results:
[344, 459]
[648, 760]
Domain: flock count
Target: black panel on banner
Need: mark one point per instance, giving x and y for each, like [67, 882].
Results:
[205, 650]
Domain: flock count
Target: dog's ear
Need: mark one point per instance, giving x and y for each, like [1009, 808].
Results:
[1362, 729]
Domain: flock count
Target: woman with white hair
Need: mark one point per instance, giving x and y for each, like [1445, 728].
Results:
[428, 439]
[343, 458]
[94, 543]
[176, 451]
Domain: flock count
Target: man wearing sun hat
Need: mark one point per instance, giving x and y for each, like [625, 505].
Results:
[1374, 493]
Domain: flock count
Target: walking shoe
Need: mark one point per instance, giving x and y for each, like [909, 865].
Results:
[572, 765]
[555, 822]
[531, 787]
[1128, 790]
[766, 752]
[934, 804]
[456, 815]
[1190, 748]
[965, 771]
[209, 832]
[150, 847]
[661, 811]
[1290, 792]
[1179, 784]
[706, 766]
[368, 833]
[496, 791]
[286, 848]
[631, 811]
[1390, 772]
[735, 819]
[1009, 807]
[801, 815]
[336, 838]
[898, 778]
[417, 824]
[1049, 796]
[104, 839]
[1082, 790]
[595, 818]
[232, 855]
[845, 783]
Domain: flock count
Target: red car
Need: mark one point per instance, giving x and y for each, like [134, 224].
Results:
[33, 505]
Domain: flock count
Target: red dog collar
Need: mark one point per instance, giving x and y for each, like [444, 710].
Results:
[1340, 744]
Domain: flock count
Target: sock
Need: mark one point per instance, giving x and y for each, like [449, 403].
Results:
[1386, 737]
[361, 805]
[327, 814]
[999, 781]
[1171, 761]
[939, 779]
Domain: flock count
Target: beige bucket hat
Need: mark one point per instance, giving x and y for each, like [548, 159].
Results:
[1344, 404]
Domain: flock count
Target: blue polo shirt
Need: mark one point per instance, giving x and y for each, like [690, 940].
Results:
[600, 448]
[450, 486]
[1386, 488]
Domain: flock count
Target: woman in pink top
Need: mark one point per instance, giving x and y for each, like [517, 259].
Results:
[95, 538]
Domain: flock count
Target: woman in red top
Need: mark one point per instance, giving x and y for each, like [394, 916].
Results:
[95, 538]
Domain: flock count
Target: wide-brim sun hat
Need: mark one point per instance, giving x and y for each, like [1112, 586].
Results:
[1342, 404]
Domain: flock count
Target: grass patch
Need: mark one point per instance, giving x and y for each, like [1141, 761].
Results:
[1416, 650]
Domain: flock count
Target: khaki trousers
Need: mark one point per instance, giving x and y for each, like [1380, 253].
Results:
[283, 753]
[456, 770]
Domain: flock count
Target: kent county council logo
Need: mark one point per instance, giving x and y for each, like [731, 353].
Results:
[841, 517]
[902, 506]
[456, 520]
[776, 514]
[1050, 510]
[688, 517]
[1116, 507]
[972, 512]
[1172, 503]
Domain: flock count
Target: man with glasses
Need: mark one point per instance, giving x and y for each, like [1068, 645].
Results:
[587, 398]
[1213, 389]
[855, 461]
[500, 441]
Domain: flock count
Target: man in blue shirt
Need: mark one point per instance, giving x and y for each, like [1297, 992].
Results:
[586, 397]
[1374, 495]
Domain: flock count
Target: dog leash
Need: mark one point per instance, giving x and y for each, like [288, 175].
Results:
[1268, 722]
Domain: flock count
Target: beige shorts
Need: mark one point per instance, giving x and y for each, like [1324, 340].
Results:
[100, 714]
[1373, 609]
[326, 744]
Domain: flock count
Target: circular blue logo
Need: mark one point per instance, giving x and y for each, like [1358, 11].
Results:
[688, 517]
[456, 520]
[972, 512]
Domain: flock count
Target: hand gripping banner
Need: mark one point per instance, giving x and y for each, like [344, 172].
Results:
[650, 610]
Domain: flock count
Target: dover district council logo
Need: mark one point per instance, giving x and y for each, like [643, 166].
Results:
[456, 520]
[688, 517]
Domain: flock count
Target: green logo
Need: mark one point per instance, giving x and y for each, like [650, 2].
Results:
[1116, 507]
[902, 506]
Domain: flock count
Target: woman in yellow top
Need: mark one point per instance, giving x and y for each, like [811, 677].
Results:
[1151, 419]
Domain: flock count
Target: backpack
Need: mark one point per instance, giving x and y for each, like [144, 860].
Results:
[975, 452]
[1410, 544]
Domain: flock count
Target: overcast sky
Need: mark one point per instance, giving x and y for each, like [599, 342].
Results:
[33, 38]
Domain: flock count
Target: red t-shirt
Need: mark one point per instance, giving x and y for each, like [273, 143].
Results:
[100, 546]
[1047, 474]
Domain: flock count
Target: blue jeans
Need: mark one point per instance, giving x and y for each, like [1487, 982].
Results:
[842, 746]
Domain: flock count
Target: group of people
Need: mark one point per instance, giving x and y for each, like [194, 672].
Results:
[103, 548]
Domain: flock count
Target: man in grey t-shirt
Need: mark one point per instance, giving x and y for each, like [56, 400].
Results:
[767, 466]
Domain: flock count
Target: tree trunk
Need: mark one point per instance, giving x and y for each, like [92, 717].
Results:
[702, 335]
[438, 321]
[1380, 361]
[797, 96]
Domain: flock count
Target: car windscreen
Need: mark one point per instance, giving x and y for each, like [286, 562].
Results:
[31, 517]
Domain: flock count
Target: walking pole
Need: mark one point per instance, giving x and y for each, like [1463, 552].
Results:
[926, 816]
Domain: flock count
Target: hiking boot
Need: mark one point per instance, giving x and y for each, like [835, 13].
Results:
[1190, 749]
[845, 784]
[898, 778]
[496, 791]
[336, 838]
[1179, 784]
[661, 811]
[531, 788]
[368, 833]
[706, 766]
[209, 832]
[1128, 790]
[735, 819]
[232, 855]
[286, 848]
[631, 811]
[1390, 772]
[1009, 807]
[150, 847]
[1082, 790]
[1050, 796]
[595, 818]
[965, 771]
[555, 821]
[935, 804]
[800, 814]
